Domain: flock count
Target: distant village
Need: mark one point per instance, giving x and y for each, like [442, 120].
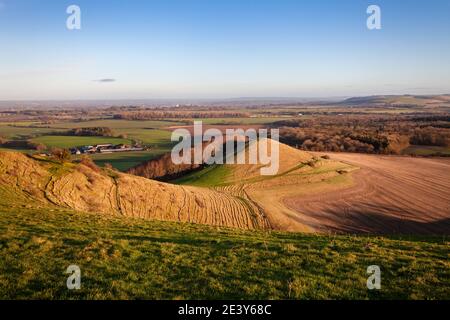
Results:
[106, 148]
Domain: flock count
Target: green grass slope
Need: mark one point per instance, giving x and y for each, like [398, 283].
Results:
[124, 258]
[77, 141]
[211, 176]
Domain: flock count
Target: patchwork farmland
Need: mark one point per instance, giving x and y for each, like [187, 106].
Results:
[282, 236]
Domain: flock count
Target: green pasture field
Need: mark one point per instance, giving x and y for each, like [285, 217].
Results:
[126, 160]
[148, 132]
[117, 124]
[151, 133]
[76, 141]
[23, 130]
[210, 176]
[154, 137]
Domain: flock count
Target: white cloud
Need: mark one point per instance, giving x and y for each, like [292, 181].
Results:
[106, 80]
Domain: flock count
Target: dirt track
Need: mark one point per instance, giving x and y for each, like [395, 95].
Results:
[390, 195]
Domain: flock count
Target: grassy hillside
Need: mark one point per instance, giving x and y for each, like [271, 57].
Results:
[210, 176]
[87, 188]
[299, 173]
[123, 258]
[125, 160]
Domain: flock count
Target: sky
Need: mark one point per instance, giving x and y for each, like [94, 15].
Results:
[144, 49]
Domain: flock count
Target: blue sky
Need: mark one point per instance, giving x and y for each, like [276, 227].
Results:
[222, 49]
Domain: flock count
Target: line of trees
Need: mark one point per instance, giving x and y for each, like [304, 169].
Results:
[157, 115]
[365, 133]
[91, 132]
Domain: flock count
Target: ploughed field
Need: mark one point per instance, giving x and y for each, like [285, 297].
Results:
[389, 195]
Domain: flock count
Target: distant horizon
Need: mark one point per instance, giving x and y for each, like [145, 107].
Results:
[230, 99]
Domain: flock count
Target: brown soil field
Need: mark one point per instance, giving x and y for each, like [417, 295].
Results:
[389, 195]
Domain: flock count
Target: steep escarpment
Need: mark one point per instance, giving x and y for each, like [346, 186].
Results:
[79, 187]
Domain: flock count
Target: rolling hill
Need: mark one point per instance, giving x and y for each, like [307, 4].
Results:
[225, 195]
[299, 172]
[83, 188]
[342, 193]
[428, 101]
